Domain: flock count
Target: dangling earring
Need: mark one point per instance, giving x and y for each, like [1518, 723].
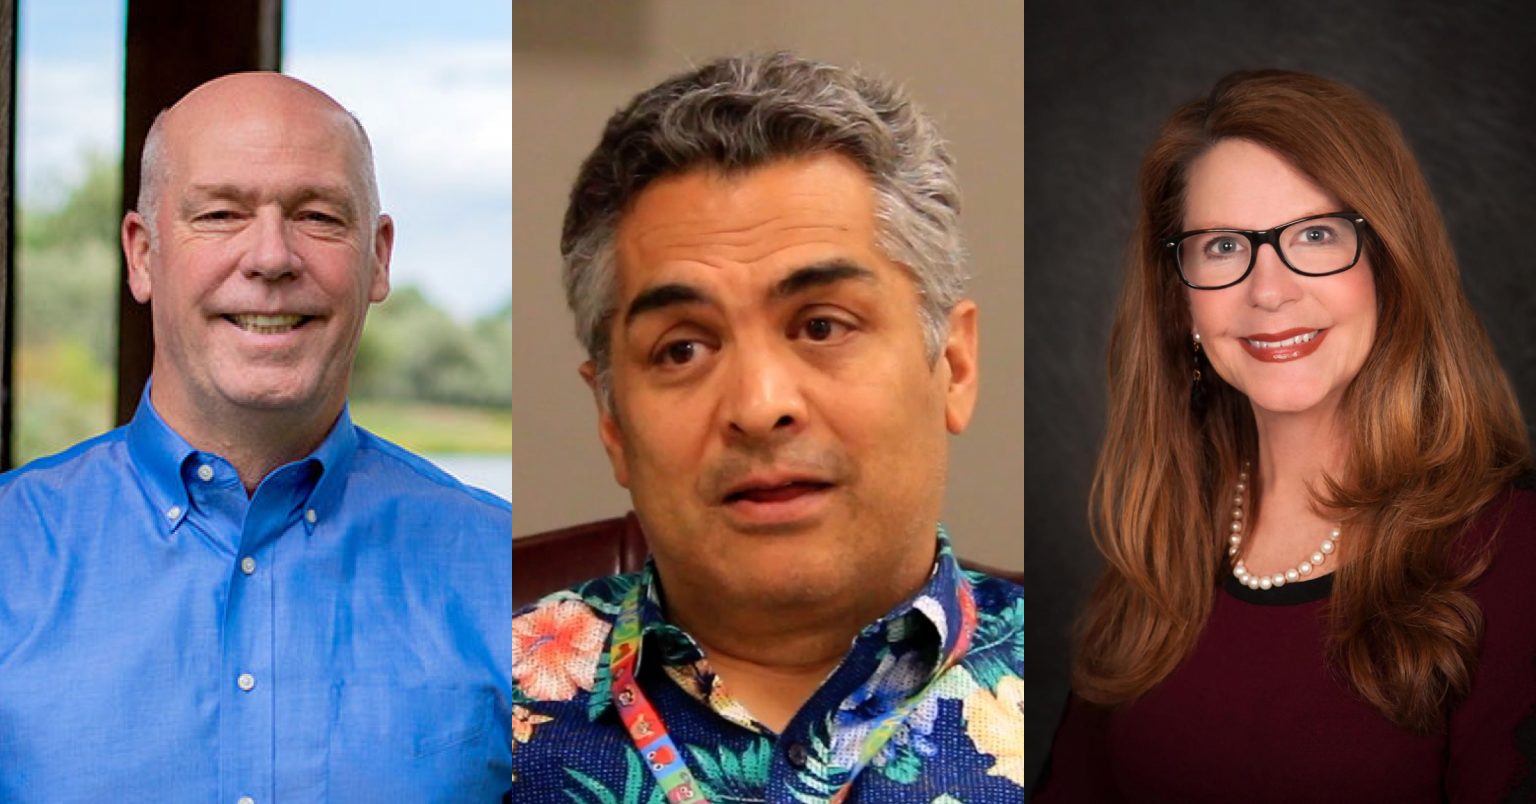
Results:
[1197, 389]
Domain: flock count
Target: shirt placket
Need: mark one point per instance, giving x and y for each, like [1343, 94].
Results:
[249, 677]
[799, 758]
[801, 754]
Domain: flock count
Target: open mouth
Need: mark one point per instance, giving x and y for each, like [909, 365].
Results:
[1295, 340]
[783, 492]
[1283, 347]
[268, 324]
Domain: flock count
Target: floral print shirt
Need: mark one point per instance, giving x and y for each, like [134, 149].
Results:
[962, 742]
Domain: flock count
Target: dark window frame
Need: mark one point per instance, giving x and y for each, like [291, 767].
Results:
[171, 47]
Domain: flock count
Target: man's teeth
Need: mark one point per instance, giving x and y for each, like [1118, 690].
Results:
[266, 324]
[1287, 342]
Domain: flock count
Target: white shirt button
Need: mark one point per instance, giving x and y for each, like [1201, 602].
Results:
[310, 516]
[247, 565]
[246, 682]
[205, 473]
[173, 512]
[246, 800]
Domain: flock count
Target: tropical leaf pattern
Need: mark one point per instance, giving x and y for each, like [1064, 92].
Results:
[894, 723]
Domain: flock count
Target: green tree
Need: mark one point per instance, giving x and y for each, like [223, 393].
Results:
[68, 279]
[66, 283]
[411, 349]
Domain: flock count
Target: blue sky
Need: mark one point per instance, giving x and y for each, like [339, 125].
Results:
[433, 89]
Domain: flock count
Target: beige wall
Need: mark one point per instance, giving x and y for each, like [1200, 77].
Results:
[575, 63]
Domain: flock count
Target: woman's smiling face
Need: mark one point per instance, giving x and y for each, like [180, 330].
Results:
[1290, 343]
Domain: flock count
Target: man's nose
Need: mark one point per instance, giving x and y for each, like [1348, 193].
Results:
[764, 392]
[269, 254]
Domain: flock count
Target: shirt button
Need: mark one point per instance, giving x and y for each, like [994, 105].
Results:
[796, 754]
[173, 512]
[247, 682]
[247, 565]
[310, 517]
[246, 800]
[205, 473]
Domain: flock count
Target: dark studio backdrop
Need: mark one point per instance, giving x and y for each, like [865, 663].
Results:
[1100, 77]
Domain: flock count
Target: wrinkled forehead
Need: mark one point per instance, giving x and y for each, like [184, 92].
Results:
[260, 125]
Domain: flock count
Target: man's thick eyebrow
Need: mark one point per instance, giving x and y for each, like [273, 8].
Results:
[820, 274]
[662, 296]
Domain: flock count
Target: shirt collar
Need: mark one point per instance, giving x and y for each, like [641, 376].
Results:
[945, 604]
[334, 462]
[159, 454]
[941, 608]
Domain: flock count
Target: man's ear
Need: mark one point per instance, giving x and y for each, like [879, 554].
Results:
[383, 247]
[608, 428]
[960, 354]
[136, 249]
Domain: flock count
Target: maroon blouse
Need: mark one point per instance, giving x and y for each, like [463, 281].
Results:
[1254, 713]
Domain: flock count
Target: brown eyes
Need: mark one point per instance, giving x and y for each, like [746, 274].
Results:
[679, 353]
[686, 351]
[823, 329]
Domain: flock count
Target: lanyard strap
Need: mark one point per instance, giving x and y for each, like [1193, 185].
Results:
[660, 753]
[644, 724]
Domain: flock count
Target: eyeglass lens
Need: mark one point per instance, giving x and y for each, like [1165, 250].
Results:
[1317, 246]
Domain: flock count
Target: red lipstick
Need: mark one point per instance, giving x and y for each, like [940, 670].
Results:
[1283, 347]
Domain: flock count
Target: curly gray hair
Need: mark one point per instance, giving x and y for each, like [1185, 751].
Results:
[743, 112]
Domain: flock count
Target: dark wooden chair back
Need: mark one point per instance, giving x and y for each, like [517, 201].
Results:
[550, 561]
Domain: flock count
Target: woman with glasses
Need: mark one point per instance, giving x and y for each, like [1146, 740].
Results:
[1320, 546]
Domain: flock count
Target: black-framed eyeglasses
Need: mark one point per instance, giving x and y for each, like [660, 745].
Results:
[1317, 245]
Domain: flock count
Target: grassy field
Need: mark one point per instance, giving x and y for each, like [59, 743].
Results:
[437, 428]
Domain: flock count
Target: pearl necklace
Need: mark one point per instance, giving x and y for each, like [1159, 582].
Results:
[1279, 579]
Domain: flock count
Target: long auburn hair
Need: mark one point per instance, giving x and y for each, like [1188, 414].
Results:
[1432, 426]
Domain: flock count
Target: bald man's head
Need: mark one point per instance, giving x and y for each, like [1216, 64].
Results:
[265, 252]
[244, 93]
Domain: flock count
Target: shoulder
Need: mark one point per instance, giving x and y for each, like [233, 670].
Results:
[56, 507]
[79, 470]
[601, 595]
[993, 593]
[408, 477]
[558, 641]
[1506, 528]
[1509, 521]
[1490, 729]
[999, 638]
[560, 690]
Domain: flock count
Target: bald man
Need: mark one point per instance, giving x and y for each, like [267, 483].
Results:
[240, 596]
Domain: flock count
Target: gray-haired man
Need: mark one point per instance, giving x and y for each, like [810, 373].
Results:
[763, 260]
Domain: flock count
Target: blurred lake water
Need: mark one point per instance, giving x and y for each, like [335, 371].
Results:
[490, 472]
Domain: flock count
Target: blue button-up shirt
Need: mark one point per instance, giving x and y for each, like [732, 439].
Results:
[339, 635]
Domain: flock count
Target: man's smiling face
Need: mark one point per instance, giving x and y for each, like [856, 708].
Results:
[266, 254]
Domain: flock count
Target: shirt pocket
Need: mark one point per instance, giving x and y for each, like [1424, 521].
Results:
[410, 743]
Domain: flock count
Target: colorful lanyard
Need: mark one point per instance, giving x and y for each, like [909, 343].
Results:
[655, 745]
[645, 726]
